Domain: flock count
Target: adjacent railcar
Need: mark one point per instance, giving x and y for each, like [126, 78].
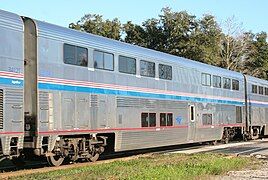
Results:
[11, 84]
[68, 94]
[257, 100]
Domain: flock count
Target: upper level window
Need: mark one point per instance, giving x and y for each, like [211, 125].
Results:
[75, 55]
[266, 91]
[235, 84]
[226, 83]
[103, 60]
[217, 81]
[147, 68]
[165, 71]
[127, 65]
[206, 79]
[148, 119]
[254, 89]
[260, 90]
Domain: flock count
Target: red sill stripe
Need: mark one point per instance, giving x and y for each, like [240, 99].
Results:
[135, 129]
[1, 133]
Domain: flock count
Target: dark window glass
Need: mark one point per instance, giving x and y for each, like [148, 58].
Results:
[238, 114]
[207, 119]
[266, 91]
[169, 119]
[144, 120]
[165, 71]
[260, 90]
[69, 54]
[226, 83]
[163, 120]
[235, 84]
[217, 81]
[98, 60]
[148, 119]
[75, 55]
[254, 89]
[192, 113]
[103, 60]
[108, 61]
[82, 56]
[152, 119]
[147, 68]
[206, 79]
[127, 65]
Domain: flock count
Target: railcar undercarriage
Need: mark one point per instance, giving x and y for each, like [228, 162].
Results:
[73, 148]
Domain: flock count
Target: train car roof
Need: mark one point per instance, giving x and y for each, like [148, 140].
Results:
[256, 81]
[82, 38]
[11, 21]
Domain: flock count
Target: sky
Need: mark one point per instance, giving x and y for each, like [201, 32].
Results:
[253, 14]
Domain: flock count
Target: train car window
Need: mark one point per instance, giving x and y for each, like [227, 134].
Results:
[166, 119]
[148, 119]
[235, 84]
[207, 119]
[254, 89]
[103, 60]
[82, 58]
[144, 120]
[69, 54]
[165, 72]
[192, 113]
[226, 83]
[217, 81]
[127, 65]
[147, 68]
[75, 55]
[260, 90]
[163, 119]
[266, 91]
[169, 119]
[238, 114]
[152, 119]
[206, 79]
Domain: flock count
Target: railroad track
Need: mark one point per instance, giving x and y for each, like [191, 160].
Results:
[34, 166]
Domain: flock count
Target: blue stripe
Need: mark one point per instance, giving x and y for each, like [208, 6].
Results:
[258, 104]
[11, 81]
[60, 87]
[132, 93]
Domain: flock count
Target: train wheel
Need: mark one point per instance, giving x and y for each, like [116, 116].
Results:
[94, 157]
[214, 142]
[55, 160]
[226, 140]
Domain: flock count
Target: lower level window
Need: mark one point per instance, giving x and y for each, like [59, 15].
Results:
[166, 119]
[148, 119]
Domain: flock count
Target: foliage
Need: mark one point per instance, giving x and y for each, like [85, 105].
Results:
[96, 25]
[183, 34]
[172, 166]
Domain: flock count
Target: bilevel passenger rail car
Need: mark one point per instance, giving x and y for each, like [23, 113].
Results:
[66, 94]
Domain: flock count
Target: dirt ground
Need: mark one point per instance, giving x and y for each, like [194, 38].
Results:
[261, 172]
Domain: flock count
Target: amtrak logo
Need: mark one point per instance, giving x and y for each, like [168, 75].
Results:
[16, 82]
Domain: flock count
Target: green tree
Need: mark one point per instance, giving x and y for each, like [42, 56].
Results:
[256, 62]
[93, 23]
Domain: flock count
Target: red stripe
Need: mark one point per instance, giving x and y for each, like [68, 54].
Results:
[11, 133]
[114, 86]
[220, 125]
[112, 129]
[135, 129]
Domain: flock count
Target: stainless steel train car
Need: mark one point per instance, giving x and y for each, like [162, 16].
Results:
[66, 94]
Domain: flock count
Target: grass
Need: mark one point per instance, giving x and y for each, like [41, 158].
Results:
[173, 166]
